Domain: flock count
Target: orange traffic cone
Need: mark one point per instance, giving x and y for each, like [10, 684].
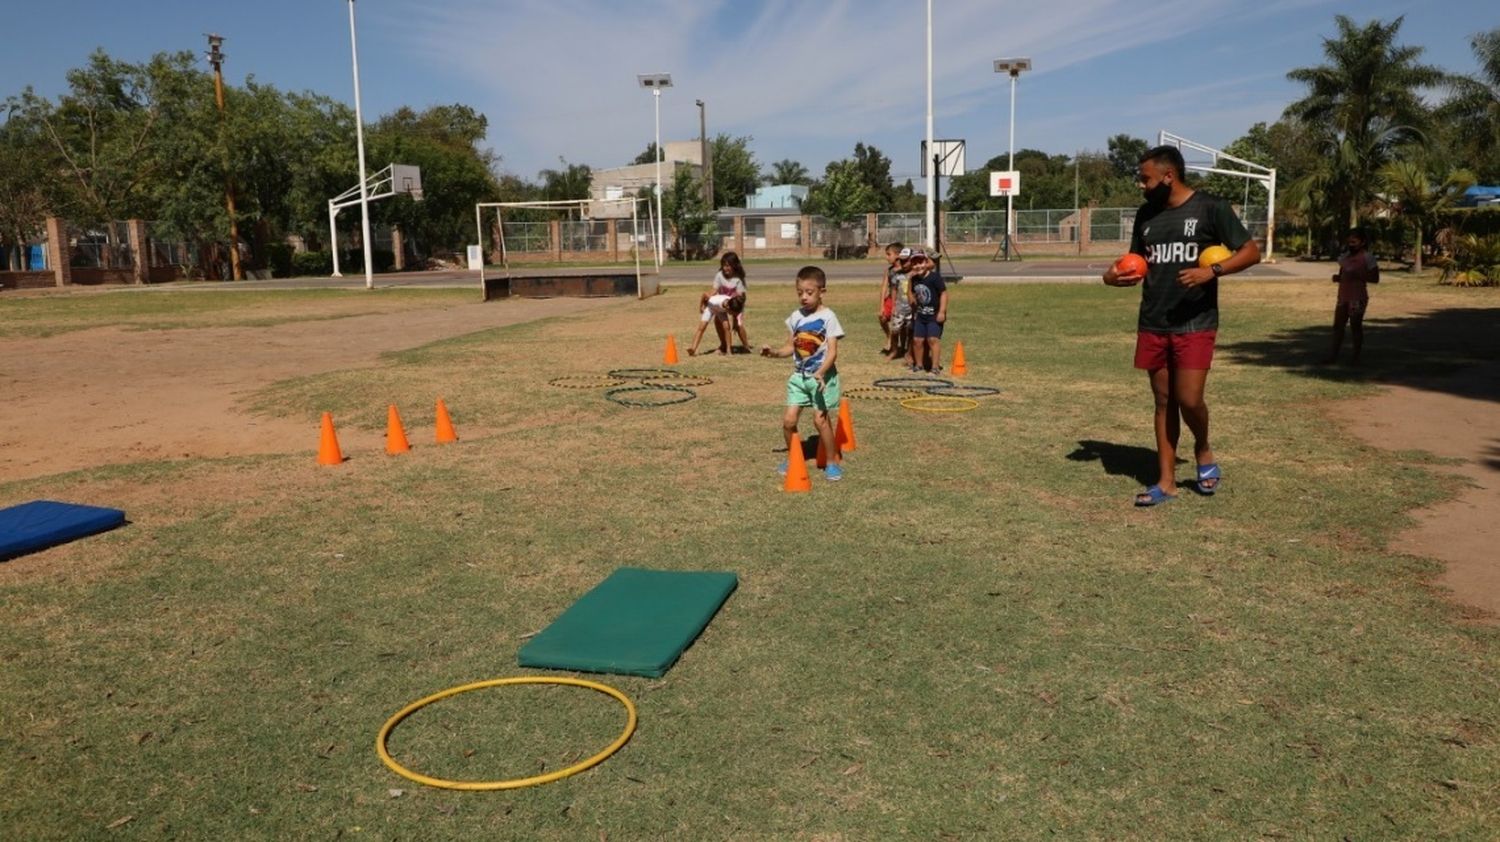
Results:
[960, 368]
[796, 468]
[845, 434]
[328, 444]
[670, 358]
[395, 436]
[445, 431]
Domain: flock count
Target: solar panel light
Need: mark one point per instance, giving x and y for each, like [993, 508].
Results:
[1013, 66]
[655, 80]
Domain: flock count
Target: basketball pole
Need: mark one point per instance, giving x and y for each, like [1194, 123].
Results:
[1010, 195]
[359, 136]
[931, 176]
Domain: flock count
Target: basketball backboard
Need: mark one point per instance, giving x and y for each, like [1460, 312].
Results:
[406, 178]
[1005, 182]
[950, 155]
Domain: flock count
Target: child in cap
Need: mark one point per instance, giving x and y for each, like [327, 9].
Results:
[929, 301]
[900, 321]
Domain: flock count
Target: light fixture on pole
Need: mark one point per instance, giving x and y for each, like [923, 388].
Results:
[359, 136]
[654, 82]
[1015, 67]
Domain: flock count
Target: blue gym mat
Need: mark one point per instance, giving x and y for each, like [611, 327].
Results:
[635, 622]
[43, 523]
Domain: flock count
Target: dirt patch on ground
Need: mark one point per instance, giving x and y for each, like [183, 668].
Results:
[1456, 417]
[110, 395]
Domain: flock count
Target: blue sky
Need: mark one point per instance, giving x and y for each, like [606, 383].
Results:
[805, 78]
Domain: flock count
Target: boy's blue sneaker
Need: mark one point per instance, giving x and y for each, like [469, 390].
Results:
[833, 473]
[782, 470]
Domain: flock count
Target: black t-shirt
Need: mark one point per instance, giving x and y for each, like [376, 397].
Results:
[928, 291]
[1170, 240]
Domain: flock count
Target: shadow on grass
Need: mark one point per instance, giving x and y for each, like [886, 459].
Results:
[1120, 460]
[1421, 351]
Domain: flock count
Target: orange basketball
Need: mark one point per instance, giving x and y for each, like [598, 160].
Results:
[1131, 266]
[1212, 255]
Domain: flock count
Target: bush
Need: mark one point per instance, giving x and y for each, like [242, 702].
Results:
[305, 263]
[279, 256]
[1475, 261]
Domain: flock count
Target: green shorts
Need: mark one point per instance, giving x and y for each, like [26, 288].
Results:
[802, 390]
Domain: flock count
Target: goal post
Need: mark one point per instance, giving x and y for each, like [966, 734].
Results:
[1207, 159]
[646, 284]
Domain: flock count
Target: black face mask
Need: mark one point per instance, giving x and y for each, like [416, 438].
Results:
[1159, 194]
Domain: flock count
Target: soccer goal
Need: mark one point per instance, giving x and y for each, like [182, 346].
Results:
[1206, 159]
[512, 232]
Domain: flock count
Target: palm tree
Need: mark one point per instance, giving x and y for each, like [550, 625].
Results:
[1364, 98]
[1474, 107]
[1412, 195]
[787, 171]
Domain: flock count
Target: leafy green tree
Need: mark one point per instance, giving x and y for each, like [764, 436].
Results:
[456, 172]
[1473, 109]
[875, 171]
[106, 133]
[1125, 154]
[787, 171]
[24, 204]
[648, 156]
[1365, 101]
[1416, 199]
[906, 199]
[693, 224]
[841, 198]
[571, 181]
[736, 173]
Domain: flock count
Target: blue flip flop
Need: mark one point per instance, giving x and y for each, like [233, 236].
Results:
[1208, 472]
[1152, 496]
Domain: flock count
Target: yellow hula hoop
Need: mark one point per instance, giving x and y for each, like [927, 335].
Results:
[938, 404]
[514, 783]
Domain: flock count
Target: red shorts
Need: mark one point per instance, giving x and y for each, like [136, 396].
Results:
[886, 307]
[1175, 350]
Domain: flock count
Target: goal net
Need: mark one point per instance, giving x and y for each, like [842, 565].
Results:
[505, 229]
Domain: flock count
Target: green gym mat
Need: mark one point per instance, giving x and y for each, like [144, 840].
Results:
[635, 622]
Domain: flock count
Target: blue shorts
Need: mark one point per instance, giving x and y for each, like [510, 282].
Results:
[926, 328]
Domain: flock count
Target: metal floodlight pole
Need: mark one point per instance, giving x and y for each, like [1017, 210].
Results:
[932, 174]
[655, 82]
[359, 136]
[660, 258]
[1014, 68]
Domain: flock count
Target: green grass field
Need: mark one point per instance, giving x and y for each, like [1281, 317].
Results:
[974, 636]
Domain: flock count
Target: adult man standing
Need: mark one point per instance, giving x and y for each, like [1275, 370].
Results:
[1179, 315]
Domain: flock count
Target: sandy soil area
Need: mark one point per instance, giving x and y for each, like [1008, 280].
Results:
[1458, 418]
[110, 395]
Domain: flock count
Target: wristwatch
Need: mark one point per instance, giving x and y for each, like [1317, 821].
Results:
[1217, 269]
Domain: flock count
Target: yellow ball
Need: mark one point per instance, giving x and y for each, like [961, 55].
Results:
[1212, 255]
